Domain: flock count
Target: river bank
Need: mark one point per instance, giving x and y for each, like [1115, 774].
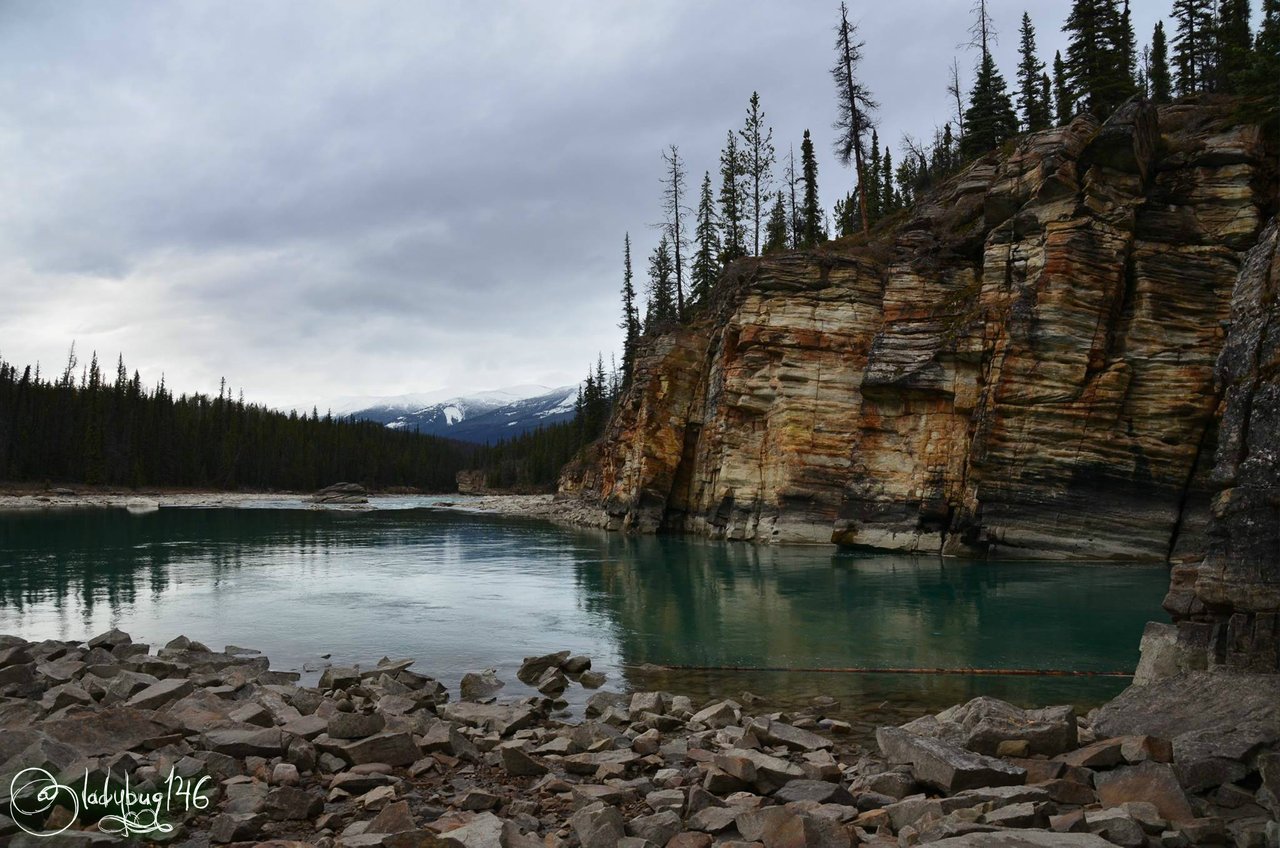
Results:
[233, 752]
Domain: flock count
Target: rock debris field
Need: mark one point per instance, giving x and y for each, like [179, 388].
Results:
[382, 756]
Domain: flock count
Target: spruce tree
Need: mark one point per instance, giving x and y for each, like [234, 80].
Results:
[706, 236]
[1031, 100]
[990, 119]
[1159, 78]
[732, 201]
[1099, 56]
[757, 161]
[874, 193]
[1125, 45]
[1064, 104]
[889, 199]
[630, 324]
[811, 212]
[673, 193]
[777, 236]
[1259, 82]
[662, 302]
[1234, 44]
[855, 105]
[1193, 44]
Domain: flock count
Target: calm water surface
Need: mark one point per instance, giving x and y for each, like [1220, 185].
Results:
[462, 592]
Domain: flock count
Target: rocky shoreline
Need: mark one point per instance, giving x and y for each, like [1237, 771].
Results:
[231, 752]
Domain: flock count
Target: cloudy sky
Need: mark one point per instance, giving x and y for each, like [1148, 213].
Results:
[321, 199]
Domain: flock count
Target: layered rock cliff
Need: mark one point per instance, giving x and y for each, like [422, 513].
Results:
[1022, 366]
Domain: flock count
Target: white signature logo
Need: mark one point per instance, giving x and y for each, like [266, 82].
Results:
[34, 792]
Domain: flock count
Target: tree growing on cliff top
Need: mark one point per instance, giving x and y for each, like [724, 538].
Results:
[1193, 45]
[990, 119]
[1099, 62]
[1234, 44]
[855, 105]
[661, 308]
[1031, 100]
[706, 260]
[777, 233]
[673, 193]
[1259, 82]
[1064, 104]
[811, 213]
[630, 324]
[732, 203]
[758, 157]
[1159, 79]
[793, 208]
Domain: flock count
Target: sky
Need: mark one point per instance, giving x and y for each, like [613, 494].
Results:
[323, 199]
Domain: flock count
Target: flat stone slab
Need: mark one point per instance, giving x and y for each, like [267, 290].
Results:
[945, 766]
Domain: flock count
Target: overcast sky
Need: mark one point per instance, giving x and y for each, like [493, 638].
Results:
[319, 199]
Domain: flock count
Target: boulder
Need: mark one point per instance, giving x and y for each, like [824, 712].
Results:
[983, 723]
[779, 733]
[505, 719]
[1024, 839]
[354, 725]
[533, 667]
[598, 826]
[158, 694]
[478, 686]
[1152, 782]
[944, 766]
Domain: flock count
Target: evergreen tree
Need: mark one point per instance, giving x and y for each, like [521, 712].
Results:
[777, 234]
[1031, 100]
[673, 208]
[662, 301]
[1159, 78]
[990, 119]
[1125, 44]
[707, 238]
[889, 200]
[1259, 82]
[732, 203]
[811, 212]
[855, 105]
[794, 221]
[630, 324]
[1098, 64]
[757, 161]
[874, 192]
[1234, 44]
[1193, 44]
[1064, 102]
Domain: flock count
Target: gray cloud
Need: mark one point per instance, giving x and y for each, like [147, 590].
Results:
[325, 198]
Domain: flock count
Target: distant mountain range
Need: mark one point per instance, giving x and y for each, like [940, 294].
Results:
[483, 417]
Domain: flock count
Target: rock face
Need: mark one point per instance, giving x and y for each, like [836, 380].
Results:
[1229, 603]
[1022, 367]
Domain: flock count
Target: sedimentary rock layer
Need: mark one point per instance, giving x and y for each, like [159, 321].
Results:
[1022, 366]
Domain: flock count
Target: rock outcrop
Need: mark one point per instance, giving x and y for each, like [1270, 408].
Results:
[1022, 366]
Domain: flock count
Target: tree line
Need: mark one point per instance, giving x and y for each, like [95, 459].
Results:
[100, 430]
[751, 210]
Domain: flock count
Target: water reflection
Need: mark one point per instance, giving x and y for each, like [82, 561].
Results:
[462, 592]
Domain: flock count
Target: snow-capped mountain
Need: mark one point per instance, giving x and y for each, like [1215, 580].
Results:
[480, 417]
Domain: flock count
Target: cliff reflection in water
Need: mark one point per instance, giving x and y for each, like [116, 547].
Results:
[462, 592]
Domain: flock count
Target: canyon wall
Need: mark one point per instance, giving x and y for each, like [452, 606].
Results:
[1021, 366]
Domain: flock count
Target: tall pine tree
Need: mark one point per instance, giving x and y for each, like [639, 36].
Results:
[855, 105]
[1064, 103]
[733, 243]
[1031, 100]
[1193, 45]
[1259, 82]
[1099, 56]
[706, 236]
[662, 301]
[1234, 44]
[810, 213]
[673, 206]
[990, 119]
[1159, 77]
[757, 162]
[630, 324]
